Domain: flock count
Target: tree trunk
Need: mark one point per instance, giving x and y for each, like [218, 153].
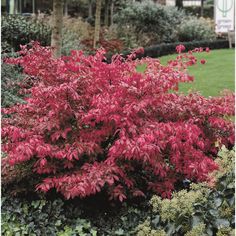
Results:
[202, 7]
[179, 3]
[97, 22]
[106, 18]
[90, 9]
[112, 12]
[57, 24]
[66, 8]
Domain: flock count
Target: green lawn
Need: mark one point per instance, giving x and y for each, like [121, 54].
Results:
[214, 76]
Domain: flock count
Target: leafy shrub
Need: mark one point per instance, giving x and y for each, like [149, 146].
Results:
[201, 210]
[89, 126]
[55, 217]
[18, 30]
[70, 41]
[82, 29]
[11, 77]
[41, 217]
[148, 23]
[158, 23]
[195, 29]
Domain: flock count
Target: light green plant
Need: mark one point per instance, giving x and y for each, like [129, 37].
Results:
[193, 28]
[198, 230]
[145, 230]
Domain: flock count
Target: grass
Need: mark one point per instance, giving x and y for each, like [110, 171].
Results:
[214, 76]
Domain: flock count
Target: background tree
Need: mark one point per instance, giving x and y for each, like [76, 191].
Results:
[106, 13]
[97, 22]
[57, 24]
[202, 7]
[179, 3]
[66, 7]
[90, 8]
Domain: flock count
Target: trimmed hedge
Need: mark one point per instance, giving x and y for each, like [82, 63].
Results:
[169, 48]
[163, 49]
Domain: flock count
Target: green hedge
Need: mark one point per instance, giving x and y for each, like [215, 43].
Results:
[169, 48]
[163, 49]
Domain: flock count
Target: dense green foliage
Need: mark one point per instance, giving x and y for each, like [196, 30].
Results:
[201, 210]
[195, 29]
[70, 41]
[151, 18]
[18, 30]
[40, 217]
[148, 23]
[11, 76]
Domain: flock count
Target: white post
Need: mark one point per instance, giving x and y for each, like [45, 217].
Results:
[33, 6]
[11, 6]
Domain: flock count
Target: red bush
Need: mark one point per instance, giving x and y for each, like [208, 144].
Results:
[112, 45]
[88, 125]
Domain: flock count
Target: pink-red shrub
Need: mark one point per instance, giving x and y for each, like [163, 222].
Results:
[88, 125]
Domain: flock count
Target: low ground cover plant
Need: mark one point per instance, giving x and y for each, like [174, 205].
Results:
[88, 126]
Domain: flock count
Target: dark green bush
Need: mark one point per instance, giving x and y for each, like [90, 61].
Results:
[148, 23]
[11, 76]
[18, 30]
[40, 217]
[149, 20]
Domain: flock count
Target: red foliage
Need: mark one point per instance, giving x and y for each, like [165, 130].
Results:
[88, 125]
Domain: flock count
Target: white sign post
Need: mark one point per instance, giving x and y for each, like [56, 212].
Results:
[224, 15]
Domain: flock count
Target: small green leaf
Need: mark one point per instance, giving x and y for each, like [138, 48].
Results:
[209, 231]
[119, 232]
[196, 220]
[156, 220]
[58, 223]
[218, 201]
[220, 223]
[94, 232]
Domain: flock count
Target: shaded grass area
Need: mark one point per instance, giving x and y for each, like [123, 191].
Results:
[214, 76]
